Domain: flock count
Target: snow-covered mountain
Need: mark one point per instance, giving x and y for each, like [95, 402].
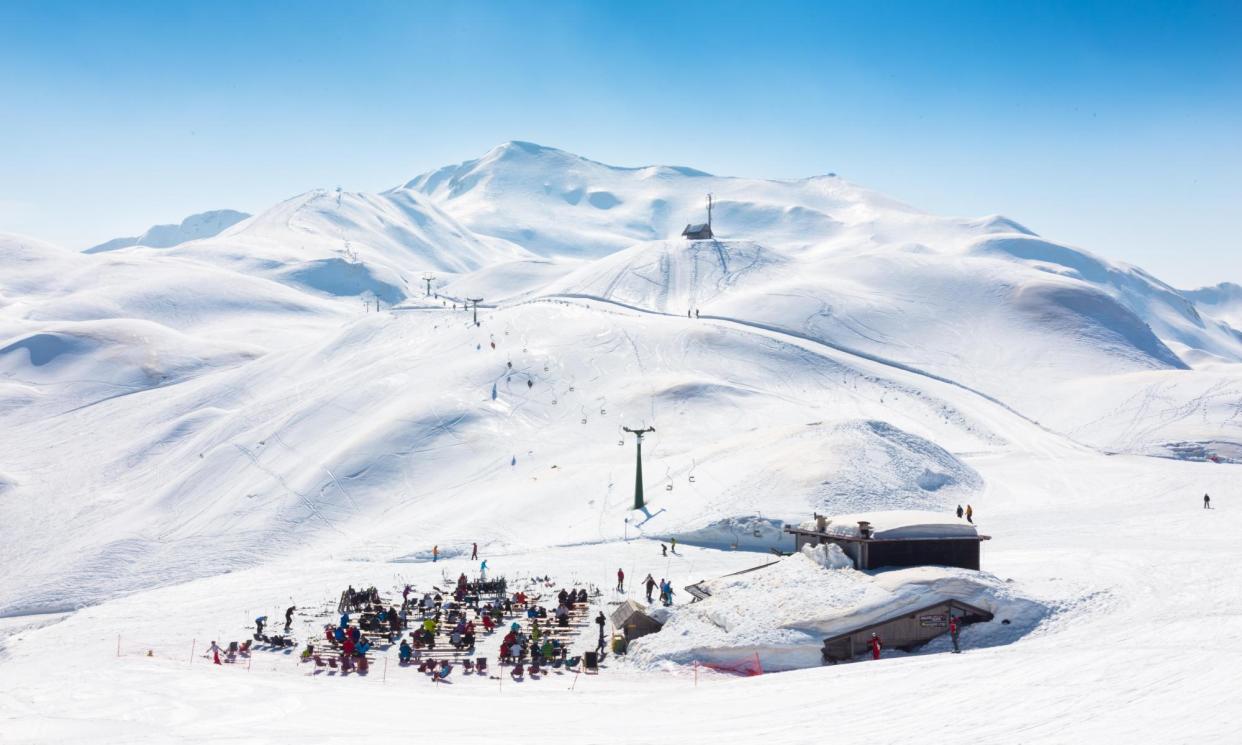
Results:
[230, 411]
[1222, 301]
[201, 225]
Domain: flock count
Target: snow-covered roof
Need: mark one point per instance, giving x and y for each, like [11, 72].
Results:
[899, 524]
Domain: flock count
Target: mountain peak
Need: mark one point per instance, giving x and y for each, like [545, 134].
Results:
[194, 227]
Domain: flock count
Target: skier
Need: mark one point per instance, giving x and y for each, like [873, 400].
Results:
[215, 652]
[1207, 502]
[663, 550]
[289, 617]
[875, 646]
[435, 554]
[687, 313]
[620, 581]
[474, 551]
[529, 384]
[483, 570]
[258, 625]
[696, 312]
[673, 544]
[405, 595]
[970, 514]
[600, 620]
[953, 632]
[960, 512]
[651, 585]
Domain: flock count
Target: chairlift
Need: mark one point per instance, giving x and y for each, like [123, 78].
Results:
[603, 412]
[668, 487]
[584, 420]
[692, 478]
[571, 389]
[554, 402]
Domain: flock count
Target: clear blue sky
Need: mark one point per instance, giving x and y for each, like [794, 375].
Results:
[1113, 126]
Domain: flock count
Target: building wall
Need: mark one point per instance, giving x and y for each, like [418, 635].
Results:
[963, 554]
[906, 632]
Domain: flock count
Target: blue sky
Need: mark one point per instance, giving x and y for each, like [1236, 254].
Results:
[1112, 126]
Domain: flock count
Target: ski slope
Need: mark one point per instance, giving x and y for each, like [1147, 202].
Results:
[198, 433]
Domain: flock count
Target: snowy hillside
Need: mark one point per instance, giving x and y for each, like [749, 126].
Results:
[201, 225]
[1222, 301]
[224, 423]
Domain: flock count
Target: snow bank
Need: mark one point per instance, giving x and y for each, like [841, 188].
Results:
[828, 556]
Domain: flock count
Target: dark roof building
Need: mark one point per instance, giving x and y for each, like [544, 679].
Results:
[895, 539]
[633, 621]
[700, 232]
[906, 631]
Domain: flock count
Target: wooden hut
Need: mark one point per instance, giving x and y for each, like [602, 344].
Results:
[895, 539]
[700, 231]
[906, 631]
[633, 620]
[697, 232]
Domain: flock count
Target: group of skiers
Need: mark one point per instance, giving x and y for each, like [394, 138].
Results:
[666, 590]
[968, 513]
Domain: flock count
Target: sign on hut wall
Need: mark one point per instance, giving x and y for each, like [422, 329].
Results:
[936, 620]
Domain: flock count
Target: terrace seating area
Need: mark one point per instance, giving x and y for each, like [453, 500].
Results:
[527, 633]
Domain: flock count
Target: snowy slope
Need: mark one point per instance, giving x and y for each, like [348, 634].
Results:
[342, 244]
[1222, 302]
[983, 302]
[219, 426]
[200, 225]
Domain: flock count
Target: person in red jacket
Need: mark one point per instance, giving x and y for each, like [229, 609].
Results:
[620, 581]
[953, 632]
[875, 646]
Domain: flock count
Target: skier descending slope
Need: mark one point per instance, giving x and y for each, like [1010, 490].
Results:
[620, 581]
